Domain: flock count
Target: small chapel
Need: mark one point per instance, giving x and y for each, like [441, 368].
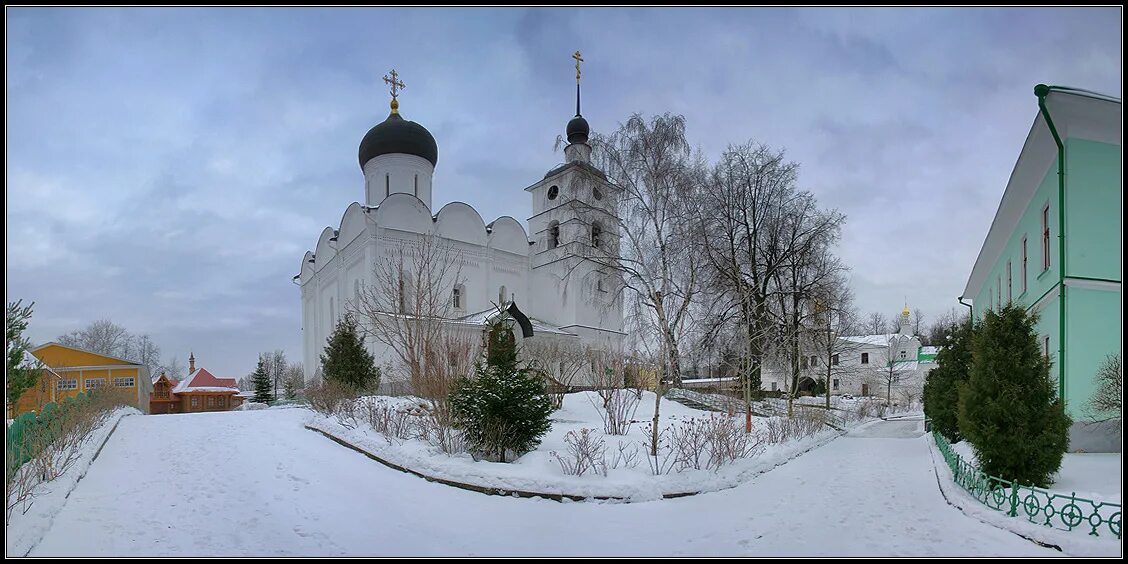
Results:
[552, 273]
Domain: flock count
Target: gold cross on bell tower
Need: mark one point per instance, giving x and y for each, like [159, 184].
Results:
[579, 59]
[396, 85]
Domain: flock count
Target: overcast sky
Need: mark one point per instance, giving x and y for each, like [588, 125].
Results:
[167, 168]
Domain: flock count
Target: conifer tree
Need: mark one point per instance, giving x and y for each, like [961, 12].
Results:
[346, 360]
[17, 376]
[505, 408]
[263, 387]
[942, 385]
[290, 388]
[1009, 410]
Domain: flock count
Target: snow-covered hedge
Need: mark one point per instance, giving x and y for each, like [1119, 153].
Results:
[625, 469]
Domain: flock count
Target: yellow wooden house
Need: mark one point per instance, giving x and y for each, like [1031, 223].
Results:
[70, 370]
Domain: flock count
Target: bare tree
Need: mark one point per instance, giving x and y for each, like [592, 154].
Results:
[651, 166]
[740, 216]
[295, 373]
[560, 361]
[876, 324]
[275, 364]
[918, 322]
[945, 325]
[1108, 400]
[808, 234]
[409, 306]
[834, 318]
[172, 369]
[102, 336]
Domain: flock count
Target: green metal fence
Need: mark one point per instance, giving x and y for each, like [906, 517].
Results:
[1039, 506]
[30, 432]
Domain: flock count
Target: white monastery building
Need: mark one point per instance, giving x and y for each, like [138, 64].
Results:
[540, 272]
[893, 364]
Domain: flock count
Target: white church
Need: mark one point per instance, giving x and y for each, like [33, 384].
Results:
[539, 271]
[893, 364]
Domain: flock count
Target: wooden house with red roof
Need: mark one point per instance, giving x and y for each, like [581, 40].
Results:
[199, 391]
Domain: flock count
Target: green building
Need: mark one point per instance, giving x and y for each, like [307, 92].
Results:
[1055, 245]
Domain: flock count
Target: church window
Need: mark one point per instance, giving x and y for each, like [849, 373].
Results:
[595, 193]
[1009, 297]
[836, 383]
[1046, 346]
[416, 185]
[902, 355]
[554, 234]
[596, 232]
[999, 282]
[834, 360]
[458, 296]
[501, 295]
[332, 313]
[599, 284]
[387, 185]
[356, 291]
[553, 191]
[1046, 237]
[773, 386]
[1023, 267]
[865, 358]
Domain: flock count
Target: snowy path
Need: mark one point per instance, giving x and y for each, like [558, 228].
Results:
[256, 484]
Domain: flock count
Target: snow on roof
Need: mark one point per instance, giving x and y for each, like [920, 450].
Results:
[203, 381]
[29, 361]
[929, 350]
[874, 340]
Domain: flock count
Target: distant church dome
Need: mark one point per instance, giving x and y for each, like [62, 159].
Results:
[398, 135]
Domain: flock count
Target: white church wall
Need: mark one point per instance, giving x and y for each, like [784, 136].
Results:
[397, 173]
[325, 251]
[460, 222]
[352, 225]
[404, 212]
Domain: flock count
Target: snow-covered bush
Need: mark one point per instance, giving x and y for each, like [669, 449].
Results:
[711, 442]
[619, 404]
[586, 451]
[392, 422]
[252, 406]
[806, 422]
[325, 396]
[49, 444]
[618, 409]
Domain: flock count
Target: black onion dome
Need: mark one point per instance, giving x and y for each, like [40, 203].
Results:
[397, 135]
[578, 130]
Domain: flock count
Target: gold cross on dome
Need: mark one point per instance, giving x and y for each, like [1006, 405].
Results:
[396, 84]
[579, 60]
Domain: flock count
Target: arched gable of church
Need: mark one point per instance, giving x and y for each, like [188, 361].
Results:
[460, 222]
[507, 234]
[404, 212]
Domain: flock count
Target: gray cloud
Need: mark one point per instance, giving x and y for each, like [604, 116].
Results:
[167, 168]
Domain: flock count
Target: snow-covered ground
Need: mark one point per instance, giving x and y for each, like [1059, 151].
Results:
[1094, 476]
[25, 529]
[255, 483]
[1077, 542]
[538, 471]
